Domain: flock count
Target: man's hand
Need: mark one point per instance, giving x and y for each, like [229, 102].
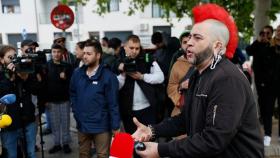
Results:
[39, 78]
[184, 84]
[62, 75]
[136, 75]
[11, 67]
[143, 133]
[121, 67]
[151, 150]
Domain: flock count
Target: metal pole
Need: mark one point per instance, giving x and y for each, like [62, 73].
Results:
[64, 33]
[77, 20]
[37, 22]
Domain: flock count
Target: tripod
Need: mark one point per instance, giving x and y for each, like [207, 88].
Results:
[28, 124]
[22, 142]
[40, 108]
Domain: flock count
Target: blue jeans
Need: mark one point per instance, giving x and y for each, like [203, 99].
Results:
[10, 139]
[48, 118]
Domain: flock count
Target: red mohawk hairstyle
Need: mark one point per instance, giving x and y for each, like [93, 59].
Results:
[213, 11]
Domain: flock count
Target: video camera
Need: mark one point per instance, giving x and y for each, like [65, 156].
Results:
[32, 61]
[130, 65]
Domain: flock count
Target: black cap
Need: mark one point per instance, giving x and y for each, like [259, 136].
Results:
[29, 42]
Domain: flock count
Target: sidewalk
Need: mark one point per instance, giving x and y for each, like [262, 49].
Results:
[48, 139]
[49, 143]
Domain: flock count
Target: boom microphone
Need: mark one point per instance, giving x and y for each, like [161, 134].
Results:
[8, 99]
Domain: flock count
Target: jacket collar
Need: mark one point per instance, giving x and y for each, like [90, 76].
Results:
[97, 74]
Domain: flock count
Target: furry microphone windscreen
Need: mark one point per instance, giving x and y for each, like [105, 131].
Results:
[122, 146]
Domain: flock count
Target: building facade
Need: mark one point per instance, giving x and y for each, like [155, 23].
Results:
[31, 19]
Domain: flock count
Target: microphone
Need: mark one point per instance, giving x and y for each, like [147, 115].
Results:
[139, 146]
[123, 146]
[8, 99]
[5, 119]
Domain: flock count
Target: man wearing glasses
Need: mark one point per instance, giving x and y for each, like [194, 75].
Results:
[263, 66]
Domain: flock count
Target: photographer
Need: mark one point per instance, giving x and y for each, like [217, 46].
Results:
[137, 79]
[35, 62]
[28, 46]
[23, 126]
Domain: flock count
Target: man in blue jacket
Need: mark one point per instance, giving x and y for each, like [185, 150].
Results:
[94, 97]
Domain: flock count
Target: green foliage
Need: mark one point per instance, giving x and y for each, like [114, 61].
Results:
[241, 11]
[275, 8]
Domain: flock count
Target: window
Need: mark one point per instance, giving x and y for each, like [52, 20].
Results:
[113, 5]
[68, 35]
[94, 36]
[10, 6]
[14, 39]
[122, 35]
[157, 12]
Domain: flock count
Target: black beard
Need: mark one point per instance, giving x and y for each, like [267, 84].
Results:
[93, 64]
[202, 56]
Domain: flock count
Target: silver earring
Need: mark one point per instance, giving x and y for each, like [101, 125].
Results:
[215, 61]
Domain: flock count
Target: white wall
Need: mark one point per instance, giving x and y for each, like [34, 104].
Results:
[115, 21]
[15, 23]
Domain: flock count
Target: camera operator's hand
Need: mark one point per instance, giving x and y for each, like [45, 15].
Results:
[121, 67]
[11, 67]
[62, 75]
[136, 75]
[23, 75]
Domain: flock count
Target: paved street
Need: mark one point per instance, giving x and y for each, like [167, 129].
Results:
[49, 143]
[271, 152]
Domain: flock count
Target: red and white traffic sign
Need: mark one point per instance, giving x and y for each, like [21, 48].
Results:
[62, 17]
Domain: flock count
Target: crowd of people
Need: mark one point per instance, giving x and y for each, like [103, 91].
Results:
[91, 84]
[113, 85]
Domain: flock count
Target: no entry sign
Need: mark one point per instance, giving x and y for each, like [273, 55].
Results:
[62, 17]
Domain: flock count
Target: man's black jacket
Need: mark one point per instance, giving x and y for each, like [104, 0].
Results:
[220, 118]
[264, 63]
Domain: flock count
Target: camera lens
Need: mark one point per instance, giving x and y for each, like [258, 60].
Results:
[29, 50]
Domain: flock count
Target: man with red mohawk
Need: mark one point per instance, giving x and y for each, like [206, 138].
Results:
[220, 115]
